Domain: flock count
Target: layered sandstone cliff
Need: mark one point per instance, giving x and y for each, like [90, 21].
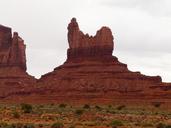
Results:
[91, 72]
[12, 49]
[13, 75]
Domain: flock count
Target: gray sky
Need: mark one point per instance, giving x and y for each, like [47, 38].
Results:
[141, 28]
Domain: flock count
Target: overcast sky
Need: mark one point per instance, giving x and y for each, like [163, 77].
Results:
[141, 28]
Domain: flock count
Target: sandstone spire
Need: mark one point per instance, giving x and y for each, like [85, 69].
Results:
[13, 76]
[82, 45]
[12, 49]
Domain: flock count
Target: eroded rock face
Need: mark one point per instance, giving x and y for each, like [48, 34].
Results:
[91, 72]
[12, 49]
[84, 46]
[13, 75]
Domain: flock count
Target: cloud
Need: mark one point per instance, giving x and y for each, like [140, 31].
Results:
[152, 7]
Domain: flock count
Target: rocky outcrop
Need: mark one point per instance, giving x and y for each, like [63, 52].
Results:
[12, 49]
[13, 75]
[91, 72]
[84, 46]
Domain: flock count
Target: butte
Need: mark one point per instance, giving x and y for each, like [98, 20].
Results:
[92, 73]
[13, 76]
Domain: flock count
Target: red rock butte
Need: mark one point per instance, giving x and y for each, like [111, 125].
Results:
[90, 74]
[13, 76]
[85, 46]
[12, 49]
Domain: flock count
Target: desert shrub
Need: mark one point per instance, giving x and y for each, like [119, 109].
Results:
[57, 125]
[121, 107]
[3, 125]
[162, 125]
[109, 106]
[86, 106]
[18, 125]
[79, 112]
[90, 123]
[156, 104]
[40, 125]
[16, 115]
[168, 126]
[52, 104]
[116, 123]
[111, 111]
[98, 108]
[62, 106]
[147, 124]
[12, 126]
[28, 126]
[72, 126]
[27, 108]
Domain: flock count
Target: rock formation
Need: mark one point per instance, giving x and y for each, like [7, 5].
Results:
[13, 76]
[85, 46]
[12, 49]
[91, 72]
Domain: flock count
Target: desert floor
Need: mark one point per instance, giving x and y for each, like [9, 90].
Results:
[84, 116]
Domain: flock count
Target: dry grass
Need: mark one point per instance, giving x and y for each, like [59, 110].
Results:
[85, 116]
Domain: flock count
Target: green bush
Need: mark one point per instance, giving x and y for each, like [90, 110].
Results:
[116, 123]
[86, 106]
[57, 125]
[27, 108]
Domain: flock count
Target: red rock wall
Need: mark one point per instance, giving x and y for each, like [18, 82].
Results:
[84, 46]
[12, 49]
